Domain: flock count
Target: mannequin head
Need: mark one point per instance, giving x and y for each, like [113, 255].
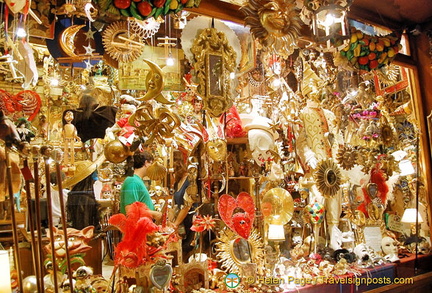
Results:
[389, 246]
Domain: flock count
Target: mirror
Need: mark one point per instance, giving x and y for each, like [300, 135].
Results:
[372, 190]
[215, 75]
[328, 178]
[214, 61]
[331, 178]
[237, 253]
[241, 249]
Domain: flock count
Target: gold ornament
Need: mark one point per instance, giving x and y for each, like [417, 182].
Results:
[157, 171]
[328, 178]
[235, 252]
[116, 152]
[67, 39]
[277, 206]
[347, 157]
[214, 62]
[157, 124]
[120, 44]
[154, 84]
[275, 24]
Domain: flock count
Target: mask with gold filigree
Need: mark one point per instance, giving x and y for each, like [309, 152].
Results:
[217, 149]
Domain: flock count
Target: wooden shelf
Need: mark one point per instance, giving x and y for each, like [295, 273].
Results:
[237, 140]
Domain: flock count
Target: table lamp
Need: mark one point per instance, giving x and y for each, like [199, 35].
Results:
[412, 216]
[276, 233]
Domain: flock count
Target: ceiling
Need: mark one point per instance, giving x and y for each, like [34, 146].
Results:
[406, 12]
[394, 14]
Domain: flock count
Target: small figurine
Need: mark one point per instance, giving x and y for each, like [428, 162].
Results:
[24, 130]
[243, 169]
[69, 138]
[43, 127]
[83, 282]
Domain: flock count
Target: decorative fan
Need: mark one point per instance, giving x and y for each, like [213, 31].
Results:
[328, 178]
[144, 28]
[120, 44]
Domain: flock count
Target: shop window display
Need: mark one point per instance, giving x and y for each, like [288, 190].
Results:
[300, 162]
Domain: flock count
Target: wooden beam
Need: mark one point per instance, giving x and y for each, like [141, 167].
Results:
[219, 10]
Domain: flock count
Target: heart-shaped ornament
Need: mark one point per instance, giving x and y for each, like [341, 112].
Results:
[160, 275]
[372, 190]
[241, 221]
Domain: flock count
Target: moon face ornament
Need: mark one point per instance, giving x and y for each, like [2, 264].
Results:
[154, 84]
[67, 39]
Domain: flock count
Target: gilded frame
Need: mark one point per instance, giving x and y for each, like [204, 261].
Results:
[214, 61]
[227, 254]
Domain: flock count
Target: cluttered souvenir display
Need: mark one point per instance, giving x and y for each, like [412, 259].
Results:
[273, 155]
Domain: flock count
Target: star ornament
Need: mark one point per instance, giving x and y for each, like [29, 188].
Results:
[203, 223]
[90, 34]
[89, 50]
[88, 64]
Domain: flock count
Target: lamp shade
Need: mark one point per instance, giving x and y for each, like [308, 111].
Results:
[406, 168]
[276, 233]
[409, 216]
[5, 280]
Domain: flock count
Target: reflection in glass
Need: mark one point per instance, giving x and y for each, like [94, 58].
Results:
[331, 177]
[241, 249]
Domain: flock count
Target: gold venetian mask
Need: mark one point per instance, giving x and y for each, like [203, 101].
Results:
[217, 149]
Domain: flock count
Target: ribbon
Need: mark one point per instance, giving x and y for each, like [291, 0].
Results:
[154, 124]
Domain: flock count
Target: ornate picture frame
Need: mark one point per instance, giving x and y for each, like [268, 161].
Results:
[214, 61]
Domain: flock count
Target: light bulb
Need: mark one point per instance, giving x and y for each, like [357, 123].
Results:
[170, 60]
[329, 20]
[232, 75]
[21, 33]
